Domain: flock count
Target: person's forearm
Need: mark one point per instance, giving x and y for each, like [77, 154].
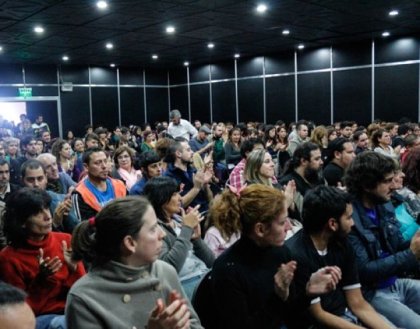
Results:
[190, 196]
[368, 316]
[333, 321]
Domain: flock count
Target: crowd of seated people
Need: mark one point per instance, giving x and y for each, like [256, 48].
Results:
[277, 226]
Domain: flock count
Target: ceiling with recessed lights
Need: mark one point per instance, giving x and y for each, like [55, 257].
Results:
[137, 29]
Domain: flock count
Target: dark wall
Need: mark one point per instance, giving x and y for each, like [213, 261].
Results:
[323, 85]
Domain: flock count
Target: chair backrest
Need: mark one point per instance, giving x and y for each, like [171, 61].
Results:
[203, 302]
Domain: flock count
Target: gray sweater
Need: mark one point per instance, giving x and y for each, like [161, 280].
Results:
[116, 296]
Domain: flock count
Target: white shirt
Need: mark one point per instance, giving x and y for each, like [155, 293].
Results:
[183, 129]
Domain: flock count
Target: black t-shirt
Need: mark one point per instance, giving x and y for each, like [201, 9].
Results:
[309, 261]
[333, 174]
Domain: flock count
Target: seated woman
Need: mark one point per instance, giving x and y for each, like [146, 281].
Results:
[127, 287]
[124, 158]
[252, 280]
[381, 143]
[36, 259]
[183, 247]
[225, 230]
[233, 148]
[66, 159]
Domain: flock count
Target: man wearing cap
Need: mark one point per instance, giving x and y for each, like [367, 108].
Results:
[180, 127]
[200, 144]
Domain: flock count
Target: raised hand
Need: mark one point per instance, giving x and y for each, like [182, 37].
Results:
[283, 278]
[72, 265]
[174, 316]
[289, 192]
[48, 266]
[192, 217]
[323, 281]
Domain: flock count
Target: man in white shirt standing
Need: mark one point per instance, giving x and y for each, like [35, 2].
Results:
[180, 127]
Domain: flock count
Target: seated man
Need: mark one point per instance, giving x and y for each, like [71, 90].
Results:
[383, 257]
[58, 182]
[151, 166]
[327, 220]
[97, 189]
[196, 190]
[341, 155]
[64, 216]
[305, 168]
[14, 311]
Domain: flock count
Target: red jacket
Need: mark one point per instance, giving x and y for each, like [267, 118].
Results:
[20, 266]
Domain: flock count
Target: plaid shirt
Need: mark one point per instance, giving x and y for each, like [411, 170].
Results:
[236, 177]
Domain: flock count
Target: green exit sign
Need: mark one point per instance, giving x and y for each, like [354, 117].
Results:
[25, 92]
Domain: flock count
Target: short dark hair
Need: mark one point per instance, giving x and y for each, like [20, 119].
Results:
[322, 203]
[336, 145]
[403, 129]
[366, 171]
[159, 190]
[21, 205]
[302, 152]
[345, 124]
[30, 164]
[3, 162]
[148, 158]
[10, 295]
[27, 139]
[357, 135]
[248, 145]
[88, 153]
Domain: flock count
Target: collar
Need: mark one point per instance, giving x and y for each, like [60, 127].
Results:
[116, 271]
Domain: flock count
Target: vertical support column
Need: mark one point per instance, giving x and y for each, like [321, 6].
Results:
[296, 89]
[331, 86]
[236, 91]
[119, 96]
[90, 97]
[144, 94]
[169, 93]
[189, 93]
[264, 96]
[210, 96]
[373, 83]
[60, 119]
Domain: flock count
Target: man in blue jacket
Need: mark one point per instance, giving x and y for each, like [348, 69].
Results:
[383, 257]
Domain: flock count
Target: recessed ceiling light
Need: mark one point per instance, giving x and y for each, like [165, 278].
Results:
[155, 56]
[109, 45]
[186, 63]
[386, 34]
[38, 29]
[301, 46]
[393, 13]
[112, 65]
[102, 4]
[65, 58]
[210, 45]
[170, 29]
[237, 55]
[261, 8]
[1, 48]
[285, 32]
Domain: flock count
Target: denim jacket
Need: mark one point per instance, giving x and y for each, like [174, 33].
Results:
[364, 238]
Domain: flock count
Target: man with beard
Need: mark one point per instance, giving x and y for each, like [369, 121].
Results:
[341, 155]
[383, 257]
[180, 127]
[305, 168]
[327, 220]
[195, 189]
[97, 189]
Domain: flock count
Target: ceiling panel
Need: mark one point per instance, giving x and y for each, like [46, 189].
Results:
[137, 28]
